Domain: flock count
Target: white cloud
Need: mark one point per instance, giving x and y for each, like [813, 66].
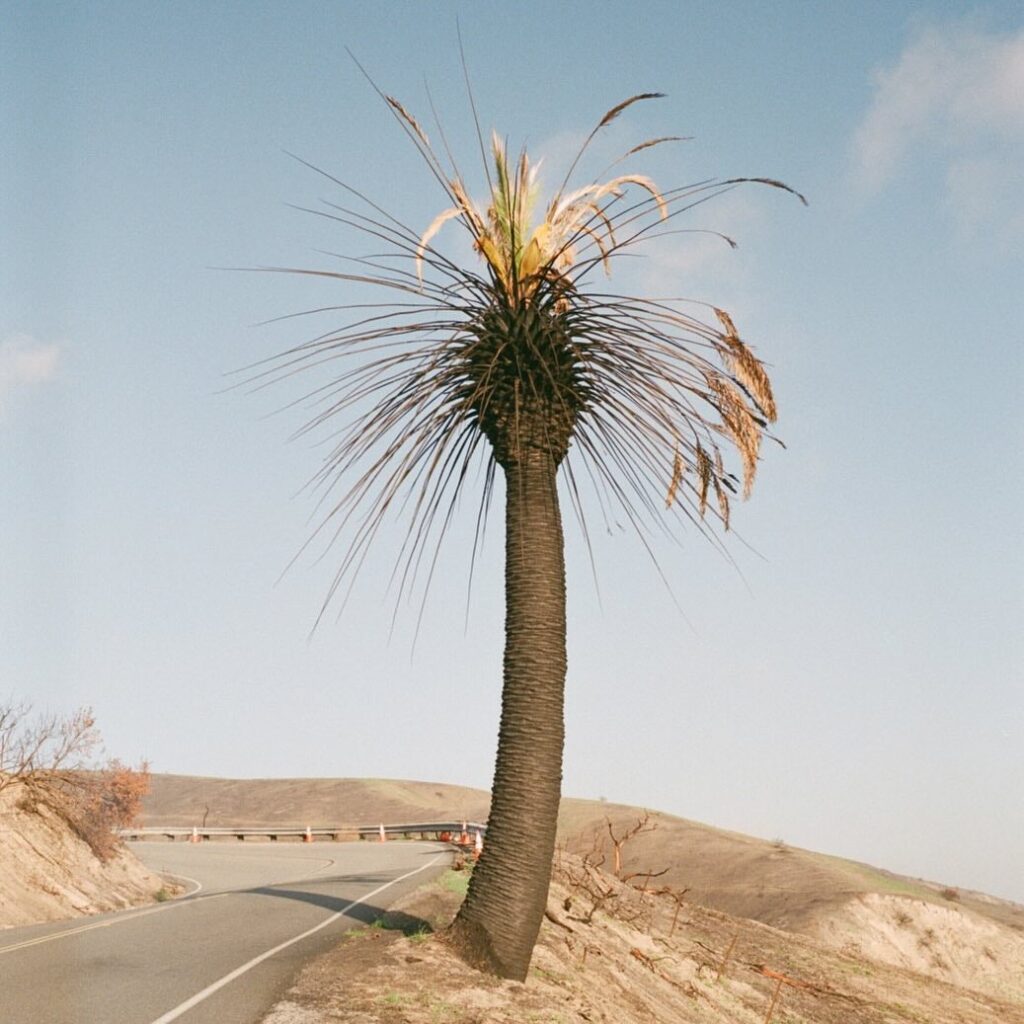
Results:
[955, 95]
[694, 262]
[24, 362]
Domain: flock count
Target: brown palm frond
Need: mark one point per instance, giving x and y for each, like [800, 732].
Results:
[409, 119]
[741, 426]
[747, 368]
[654, 142]
[678, 467]
[620, 107]
[607, 119]
[772, 182]
[704, 476]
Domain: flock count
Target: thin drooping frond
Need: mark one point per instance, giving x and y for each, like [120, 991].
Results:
[641, 397]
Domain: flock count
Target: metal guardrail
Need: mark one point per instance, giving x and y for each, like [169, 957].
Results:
[434, 828]
[444, 831]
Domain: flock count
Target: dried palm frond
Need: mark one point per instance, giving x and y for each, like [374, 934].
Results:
[409, 119]
[678, 468]
[747, 368]
[620, 107]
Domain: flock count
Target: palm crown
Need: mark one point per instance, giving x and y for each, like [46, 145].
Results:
[645, 392]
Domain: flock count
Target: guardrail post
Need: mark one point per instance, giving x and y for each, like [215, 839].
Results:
[383, 834]
[194, 838]
[478, 845]
[308, 837]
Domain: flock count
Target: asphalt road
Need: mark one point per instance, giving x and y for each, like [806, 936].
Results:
[221, 955]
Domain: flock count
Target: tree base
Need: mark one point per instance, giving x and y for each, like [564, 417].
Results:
[473, 946]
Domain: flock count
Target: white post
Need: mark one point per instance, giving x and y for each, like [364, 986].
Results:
[383, 835]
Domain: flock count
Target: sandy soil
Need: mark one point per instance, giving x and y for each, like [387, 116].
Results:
[633, 962]
[946, 942]
[49, 874]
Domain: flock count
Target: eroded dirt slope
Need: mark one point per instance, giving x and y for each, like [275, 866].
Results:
[47, 873]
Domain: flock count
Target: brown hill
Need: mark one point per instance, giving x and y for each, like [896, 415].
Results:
[192, 800]
[959, 937]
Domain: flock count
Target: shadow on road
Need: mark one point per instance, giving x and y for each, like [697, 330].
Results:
[365, 913]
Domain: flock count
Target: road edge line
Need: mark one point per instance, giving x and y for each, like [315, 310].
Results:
[216, 986]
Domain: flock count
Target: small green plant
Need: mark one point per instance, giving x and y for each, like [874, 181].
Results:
[161, 895]
[455, 881]
[902, 919]
[392, 999]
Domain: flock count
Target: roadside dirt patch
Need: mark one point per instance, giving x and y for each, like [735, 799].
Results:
[635, 958]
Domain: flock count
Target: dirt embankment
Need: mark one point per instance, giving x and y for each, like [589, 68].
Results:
[632, 960]
[949, 942]
[48, 873]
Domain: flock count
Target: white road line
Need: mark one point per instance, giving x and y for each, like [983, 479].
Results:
[120, 919]
[239, 971]
[185, 878]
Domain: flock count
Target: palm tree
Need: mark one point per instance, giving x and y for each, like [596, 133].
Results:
[517, 364]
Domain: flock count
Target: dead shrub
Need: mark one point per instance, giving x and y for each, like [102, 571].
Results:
[903, 919]
[44, 751]
[50, 758]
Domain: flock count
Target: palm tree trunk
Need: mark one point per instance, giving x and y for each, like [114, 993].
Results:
[498, 924]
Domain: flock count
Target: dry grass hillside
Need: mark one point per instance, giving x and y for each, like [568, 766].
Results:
[187, 800]
[954, 937]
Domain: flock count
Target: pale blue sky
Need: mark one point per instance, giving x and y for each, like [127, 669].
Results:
[856, 687]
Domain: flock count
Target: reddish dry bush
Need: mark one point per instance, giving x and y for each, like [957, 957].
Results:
[100, 802]
[50, 758]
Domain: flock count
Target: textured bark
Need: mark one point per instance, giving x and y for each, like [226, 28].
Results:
[497, 926]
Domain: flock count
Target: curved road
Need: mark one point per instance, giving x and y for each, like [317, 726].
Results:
[221, 955]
